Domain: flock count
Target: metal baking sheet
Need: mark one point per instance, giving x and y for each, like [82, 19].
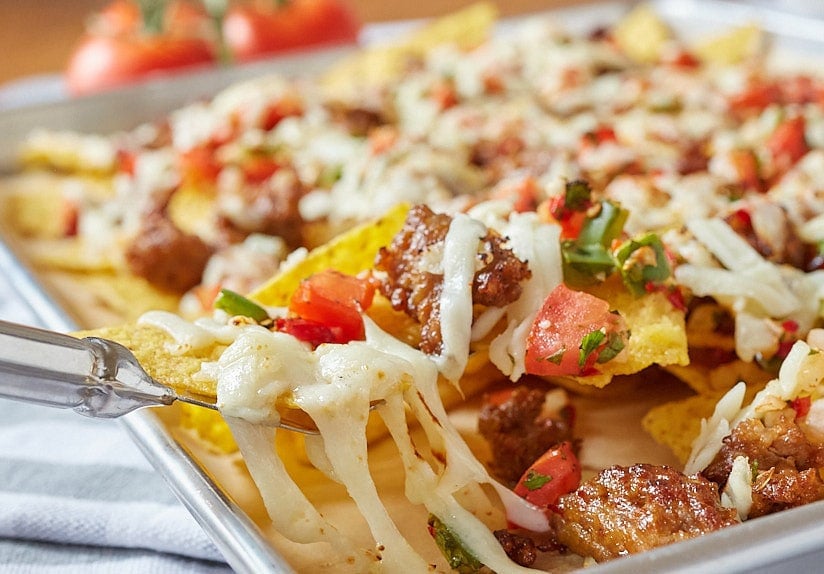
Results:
[788, 541]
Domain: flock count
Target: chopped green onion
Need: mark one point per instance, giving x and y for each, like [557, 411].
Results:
[236, 304]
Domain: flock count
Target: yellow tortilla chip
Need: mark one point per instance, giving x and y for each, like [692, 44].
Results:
[712, 380]
[658, 336]
[641, 34]
[192, 210]
[150, 346]
[68, 152]
[732, 47]
[379, 65]
[351, 253]
[209, 426]
[676, 424]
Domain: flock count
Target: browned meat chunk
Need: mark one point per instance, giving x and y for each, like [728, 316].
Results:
[413, 289]
[166, 256]
[693, 158]
[269, 207]
[787, 248]
[357, 120]
[518, 431]
[625, 510]
[520, 549]
[787, 462]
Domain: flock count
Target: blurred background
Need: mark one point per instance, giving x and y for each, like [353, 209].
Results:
[37, 36]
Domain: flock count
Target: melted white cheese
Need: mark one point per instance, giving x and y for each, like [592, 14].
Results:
[335, 385]
[538, 244]
[459, 259]
[203, 333]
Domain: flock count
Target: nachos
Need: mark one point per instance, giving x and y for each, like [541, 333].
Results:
[564, 219]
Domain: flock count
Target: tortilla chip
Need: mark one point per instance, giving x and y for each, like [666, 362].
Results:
[676, 424]
[68, 152]
[641, 34]
[150, 347]
[658, 337]
[209, 426]
[732, 47]
[192, 210]
[379, 65]
[718, 379]
[351, 253]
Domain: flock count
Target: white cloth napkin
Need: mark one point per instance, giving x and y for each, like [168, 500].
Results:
[76, 495]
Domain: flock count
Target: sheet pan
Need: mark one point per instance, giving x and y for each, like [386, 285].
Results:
[794, 538]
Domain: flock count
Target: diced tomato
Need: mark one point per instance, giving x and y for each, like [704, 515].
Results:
[444, 94]
[524, 193]
[755, 97]
[801, 406]
[277, 111]
[307, 331]
[125, 161]
[493, 83]
[787, 143]
[335, 300]
[571, 222]
[573, 332]
[554, 474]
[199, 164]
[206, 295]
[790, 326]
[684, 59]
[69, 217]
[746, 166]
[601, 135]
[382, 139]
[259, 168]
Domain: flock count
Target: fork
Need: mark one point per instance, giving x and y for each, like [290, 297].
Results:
[93, 376]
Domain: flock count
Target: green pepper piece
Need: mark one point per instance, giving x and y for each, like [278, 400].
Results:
[458, 557]
[585, 264]
[236, 304]
[642, 261]
[604, 227]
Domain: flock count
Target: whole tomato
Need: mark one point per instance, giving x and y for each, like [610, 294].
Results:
[125, 42]
[253, 30]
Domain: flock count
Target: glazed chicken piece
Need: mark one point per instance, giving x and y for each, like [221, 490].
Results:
[626, 510]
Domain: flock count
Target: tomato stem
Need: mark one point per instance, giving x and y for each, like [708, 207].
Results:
[216, 9]
[152, 11]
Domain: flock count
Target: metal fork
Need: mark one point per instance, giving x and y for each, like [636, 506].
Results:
[93, 376]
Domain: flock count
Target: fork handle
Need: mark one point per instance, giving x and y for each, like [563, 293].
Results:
[95, 377]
